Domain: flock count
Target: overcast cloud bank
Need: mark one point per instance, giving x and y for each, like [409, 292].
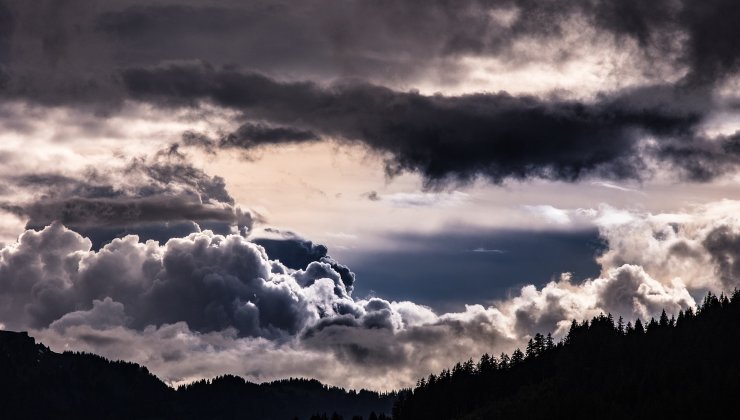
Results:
[317, 75]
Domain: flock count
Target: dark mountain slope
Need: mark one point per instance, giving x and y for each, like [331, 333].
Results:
[37, 383]
[687, 367]
[231, 397]
[675, 368]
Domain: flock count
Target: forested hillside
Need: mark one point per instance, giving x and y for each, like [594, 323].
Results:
[683, 367]
[37, 383]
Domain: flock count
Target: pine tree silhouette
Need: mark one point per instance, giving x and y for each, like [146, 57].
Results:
[606, 370]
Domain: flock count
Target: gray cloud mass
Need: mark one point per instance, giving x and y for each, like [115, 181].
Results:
[496, 135]
[335, 73]
[159, 197]
[207, 294]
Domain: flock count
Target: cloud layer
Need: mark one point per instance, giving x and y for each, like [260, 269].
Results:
[159, 197]
[278, 66]
[207, 304]
[498, 136]
[368, 39]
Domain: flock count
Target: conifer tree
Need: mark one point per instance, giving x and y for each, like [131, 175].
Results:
[639, 329]
[539, 344]
[517, 357]
[663, 319]
[432, 379]
[504, 361]
[486, 364]
[530, 351]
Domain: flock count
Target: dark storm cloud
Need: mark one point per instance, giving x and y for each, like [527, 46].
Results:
[202, 140]
[367, 38]
[6, 32]
[496, 135]
[93, 52]
[296, 252]
[157, 198]
[72, 51]
[293, 251]
[723, 243]
[211, 282]
[361, 38]
[700, 158]
[85, 42]
[175, 170]
[121, 210]
[379, 40]
[696, 34]
[248, 136]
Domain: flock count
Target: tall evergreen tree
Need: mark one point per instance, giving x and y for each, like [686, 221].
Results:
[639, 329]
[504, 361]
[663, 319]
[530, 351]
[517, 357]
[549, 342]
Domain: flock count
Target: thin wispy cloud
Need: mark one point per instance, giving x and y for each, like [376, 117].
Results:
[617, 187]
[483, 250]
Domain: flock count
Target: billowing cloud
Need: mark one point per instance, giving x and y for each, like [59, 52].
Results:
[696, 247]
[171, 305]
[209, 281]
[210, 284]
[296, 252]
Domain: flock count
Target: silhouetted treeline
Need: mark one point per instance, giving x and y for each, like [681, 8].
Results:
[36, 383]
[230, 397]
[684, 367]
[336, 416]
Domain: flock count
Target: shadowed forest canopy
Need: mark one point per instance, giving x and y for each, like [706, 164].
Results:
[667, 368]
[45, 384]
[683, 367]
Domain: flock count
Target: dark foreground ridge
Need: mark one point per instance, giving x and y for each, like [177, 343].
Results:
[683, 368]
[37, 383]
[678, 368]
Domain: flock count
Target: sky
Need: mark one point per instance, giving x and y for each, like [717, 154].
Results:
[362, 192]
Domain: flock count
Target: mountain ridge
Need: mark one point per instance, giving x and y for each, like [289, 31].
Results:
[684, 367]
[45, 384]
